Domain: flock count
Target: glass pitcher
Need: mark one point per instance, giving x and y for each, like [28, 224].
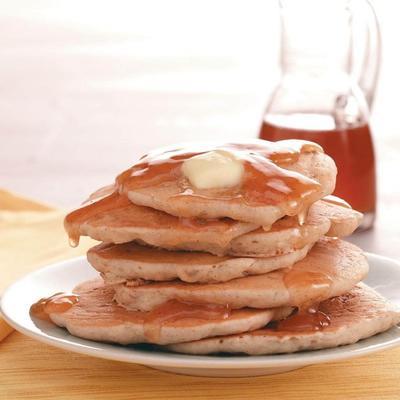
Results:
[330, 60]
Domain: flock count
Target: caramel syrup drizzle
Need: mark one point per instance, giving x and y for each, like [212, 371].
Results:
[170, 311]
[174, 310]
[303, 320]
[308, 316]
[316, 282]
[265, 181]
[103, 200]
[58, 303]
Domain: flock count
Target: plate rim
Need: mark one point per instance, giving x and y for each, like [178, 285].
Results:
[177, 360]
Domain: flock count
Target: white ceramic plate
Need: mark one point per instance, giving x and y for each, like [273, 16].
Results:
[384, 276]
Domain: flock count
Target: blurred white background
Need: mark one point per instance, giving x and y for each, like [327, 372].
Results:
[86, 87]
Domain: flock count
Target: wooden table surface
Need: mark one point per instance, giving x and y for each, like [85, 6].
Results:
[85, 89]
[36, 373]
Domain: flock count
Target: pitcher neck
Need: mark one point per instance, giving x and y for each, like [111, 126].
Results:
[316, 37]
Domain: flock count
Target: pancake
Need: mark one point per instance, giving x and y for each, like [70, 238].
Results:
[113, 218]
[357, 315]
[331, 268]
[284, 178]
[97, 317]
[121, 262]
[287, 234]
[344, 220]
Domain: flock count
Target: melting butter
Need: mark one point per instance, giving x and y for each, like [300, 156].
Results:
[213, 170]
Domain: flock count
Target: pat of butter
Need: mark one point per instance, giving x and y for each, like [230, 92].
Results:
[213, 170]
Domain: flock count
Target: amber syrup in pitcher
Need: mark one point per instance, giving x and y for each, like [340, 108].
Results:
[329, 62]
[351, 147]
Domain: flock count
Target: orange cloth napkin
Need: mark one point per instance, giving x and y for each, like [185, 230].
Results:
[32, 235]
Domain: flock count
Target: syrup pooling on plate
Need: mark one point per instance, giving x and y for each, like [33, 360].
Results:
[265, 182]
[58, 303]
[174, 310]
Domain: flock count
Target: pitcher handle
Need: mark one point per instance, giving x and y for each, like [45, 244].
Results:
[369, 64]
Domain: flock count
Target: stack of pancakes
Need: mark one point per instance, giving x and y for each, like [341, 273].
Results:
[257, 268]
